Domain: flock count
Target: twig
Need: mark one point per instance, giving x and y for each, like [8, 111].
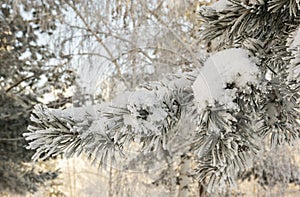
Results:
[17, 83]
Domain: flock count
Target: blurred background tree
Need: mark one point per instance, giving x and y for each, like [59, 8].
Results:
[29, 70]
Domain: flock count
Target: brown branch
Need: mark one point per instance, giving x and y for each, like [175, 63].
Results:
[18, 83]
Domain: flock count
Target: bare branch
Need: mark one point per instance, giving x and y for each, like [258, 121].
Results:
[18, 83]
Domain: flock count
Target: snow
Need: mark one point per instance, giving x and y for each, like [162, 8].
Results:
[143, 100]
[295, 46]
[78, 114]
[296, 40]
[219, 5]
[26, 15]
[227, 66]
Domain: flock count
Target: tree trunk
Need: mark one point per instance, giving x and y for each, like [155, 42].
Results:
[184, 180]
[172, 173]
[110, 181]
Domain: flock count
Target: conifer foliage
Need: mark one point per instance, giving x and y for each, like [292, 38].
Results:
[245, 93]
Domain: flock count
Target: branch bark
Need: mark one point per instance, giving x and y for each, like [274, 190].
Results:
[185, 166]
[18, 83]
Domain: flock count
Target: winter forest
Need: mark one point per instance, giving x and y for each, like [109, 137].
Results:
[149, 98]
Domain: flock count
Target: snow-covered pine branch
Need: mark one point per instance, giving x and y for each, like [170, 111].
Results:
[270, 108]
[223, 101]
[247, 91]
[225, 133]
[148, 115]
[151, 114]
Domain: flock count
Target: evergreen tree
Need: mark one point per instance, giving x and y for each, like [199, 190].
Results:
[27, 72]
[245, 93]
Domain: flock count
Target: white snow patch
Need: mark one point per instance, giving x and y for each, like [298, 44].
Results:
[227, 66]
[142, 97]
[25, 55]
[295, 68]
[26, 15]
[296, 40]
[219, 5]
